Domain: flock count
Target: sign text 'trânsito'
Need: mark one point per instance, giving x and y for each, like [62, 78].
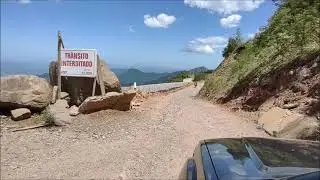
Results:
[78, 63]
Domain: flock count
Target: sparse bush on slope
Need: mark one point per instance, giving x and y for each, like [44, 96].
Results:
[292, 33]
[202, 75]
[180, 76]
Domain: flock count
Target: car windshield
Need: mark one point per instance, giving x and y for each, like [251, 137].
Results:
[245, 158]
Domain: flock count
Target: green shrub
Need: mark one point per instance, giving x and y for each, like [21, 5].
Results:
[180, 76]
[47, 118]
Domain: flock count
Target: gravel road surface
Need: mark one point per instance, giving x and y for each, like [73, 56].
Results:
[151, 141]
[158, 87]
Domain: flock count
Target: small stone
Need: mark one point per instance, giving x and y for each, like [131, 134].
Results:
[3, 116]
[136, 104]
[62, 103]
[20, 114]
[314, 65]
[304, 73]
[64, 95]
[74, 110]
[95, 136]
[290, 106]
[14, 167]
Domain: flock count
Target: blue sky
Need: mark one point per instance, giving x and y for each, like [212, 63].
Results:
[174, 34]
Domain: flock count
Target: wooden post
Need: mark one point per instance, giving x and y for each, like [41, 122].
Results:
[59, 65]
[100, 77]
[94, 86]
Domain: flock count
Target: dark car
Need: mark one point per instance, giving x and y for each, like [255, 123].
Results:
[253, 158]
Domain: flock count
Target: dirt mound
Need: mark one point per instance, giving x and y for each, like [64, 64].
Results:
[293, 86]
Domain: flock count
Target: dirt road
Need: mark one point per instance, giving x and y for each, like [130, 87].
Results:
[152, 141]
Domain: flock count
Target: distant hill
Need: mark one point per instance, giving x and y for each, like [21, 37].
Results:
[135, 75]
[128, 76]
[198, 70]
[119, 71]
[44, 75]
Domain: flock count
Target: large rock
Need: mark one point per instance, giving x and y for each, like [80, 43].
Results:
[59, 112]
[79, 88]
[112, 100]
[24, 91]
[306, 128]
[20, 114]
[286, 124]
[110, 80]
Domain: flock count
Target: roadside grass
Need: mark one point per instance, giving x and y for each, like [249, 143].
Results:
[45, 117]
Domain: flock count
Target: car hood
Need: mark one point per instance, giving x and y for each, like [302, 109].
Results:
[245, 158]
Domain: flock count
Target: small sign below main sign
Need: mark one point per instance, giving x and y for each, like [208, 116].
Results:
[79, 63]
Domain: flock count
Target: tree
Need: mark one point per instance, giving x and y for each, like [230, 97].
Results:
[233, 43]
[238, 37]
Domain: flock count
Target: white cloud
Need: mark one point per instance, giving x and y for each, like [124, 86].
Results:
[230, 21]
[206, 45]
[161, 21]
[24, 1]
[130, 29]
[225, 6]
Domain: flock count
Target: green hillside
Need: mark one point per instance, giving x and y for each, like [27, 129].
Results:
[198, 74]
[292, 33]
[134, 75]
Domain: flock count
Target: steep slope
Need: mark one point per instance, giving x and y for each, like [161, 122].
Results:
[282, 59]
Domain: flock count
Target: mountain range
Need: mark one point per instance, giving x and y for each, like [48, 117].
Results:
[128, 76]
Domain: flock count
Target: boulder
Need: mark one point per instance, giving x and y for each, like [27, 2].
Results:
[79, 88]
[54, 94]
[111, 100]
[20, 114]
[60, 112]
[306, 128]
[286, 124]
[24, 91]
[110, 80]
[74, 111]
[62, 104]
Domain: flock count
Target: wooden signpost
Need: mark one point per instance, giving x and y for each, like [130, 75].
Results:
[79, 63]
[100, 77]
[60, 43]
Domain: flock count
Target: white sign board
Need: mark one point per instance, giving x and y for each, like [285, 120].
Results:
[79, 63]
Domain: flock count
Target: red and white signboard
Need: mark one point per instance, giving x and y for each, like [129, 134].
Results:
[79, 63]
